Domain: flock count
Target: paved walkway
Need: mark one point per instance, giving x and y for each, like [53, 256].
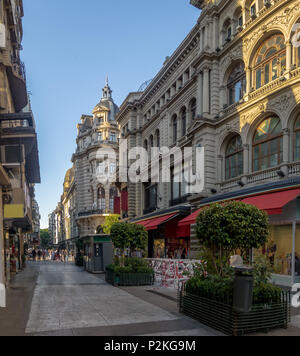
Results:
[58, 299]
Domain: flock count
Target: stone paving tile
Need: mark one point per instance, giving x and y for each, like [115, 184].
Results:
[66, 298]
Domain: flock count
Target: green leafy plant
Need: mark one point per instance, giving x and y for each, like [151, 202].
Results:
[129, 236]
[262, 270]
[223, 229]
[131, 265]
[109, 222]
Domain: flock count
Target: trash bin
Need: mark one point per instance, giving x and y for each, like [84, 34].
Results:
[243, 289]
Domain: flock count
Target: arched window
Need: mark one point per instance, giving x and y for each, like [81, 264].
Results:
[174, 124]
[234, 158]
[267, 144]
[297, 140]
[236, 84]
[101, 199]
[238, 19]
[227, 31]
[183, 121]
[157, 135]
[270, 61]
[146, 145]
[113, 193]
[193, 109]
[151, 141]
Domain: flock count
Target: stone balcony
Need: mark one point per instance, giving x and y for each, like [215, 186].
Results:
[263, 177]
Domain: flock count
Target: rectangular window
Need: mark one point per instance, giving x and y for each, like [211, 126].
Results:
[253, 10]
[267, 73]
[274, 69]
[258, 79]
[112, 137]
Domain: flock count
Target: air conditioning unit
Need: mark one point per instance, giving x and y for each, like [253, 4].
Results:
[12, 154]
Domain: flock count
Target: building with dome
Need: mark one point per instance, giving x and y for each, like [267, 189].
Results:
[87, 199]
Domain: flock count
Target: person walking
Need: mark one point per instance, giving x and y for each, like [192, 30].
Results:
[33, 254]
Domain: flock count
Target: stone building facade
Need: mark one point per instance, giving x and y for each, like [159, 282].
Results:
[232, 87]
[100, 131]
[87, 200]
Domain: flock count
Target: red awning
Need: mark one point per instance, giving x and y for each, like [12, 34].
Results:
[273, 203]
[152, 224]
[190, 220]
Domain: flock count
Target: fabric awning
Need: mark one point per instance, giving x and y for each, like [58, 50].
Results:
[273, 203]
[190, 220]
[153, 224]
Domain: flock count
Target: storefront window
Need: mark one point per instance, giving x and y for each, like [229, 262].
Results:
[159, 248]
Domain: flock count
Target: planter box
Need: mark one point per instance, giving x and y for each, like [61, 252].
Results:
[129, 279]
[222, 317]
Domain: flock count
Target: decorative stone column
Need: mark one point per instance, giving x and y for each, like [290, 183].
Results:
[246, 159]
[248, 80]
[286, 151]
[289, 49]
[223, 100]
[220, 172]
[206, 93]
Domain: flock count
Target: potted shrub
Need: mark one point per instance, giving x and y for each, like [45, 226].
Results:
[224, 230]
[129, 270]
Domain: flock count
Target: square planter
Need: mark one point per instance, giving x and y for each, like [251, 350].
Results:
[222, 317]
[129, 279]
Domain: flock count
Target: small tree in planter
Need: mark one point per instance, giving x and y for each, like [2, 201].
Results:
[223, 229]
[129, 271]
[138, 238]
[129, 236]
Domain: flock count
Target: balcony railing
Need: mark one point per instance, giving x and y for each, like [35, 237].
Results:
[294, 169]
[230, 184]
[272, 174]
[92, 212]
[268, 174]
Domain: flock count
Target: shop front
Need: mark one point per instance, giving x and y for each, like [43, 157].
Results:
[282, 203]
[165, 239]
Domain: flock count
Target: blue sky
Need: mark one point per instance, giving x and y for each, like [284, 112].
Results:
[69, 48]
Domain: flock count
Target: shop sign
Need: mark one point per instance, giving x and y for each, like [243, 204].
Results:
[14, 211]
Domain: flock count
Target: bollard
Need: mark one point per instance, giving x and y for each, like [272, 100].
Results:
[2, 296]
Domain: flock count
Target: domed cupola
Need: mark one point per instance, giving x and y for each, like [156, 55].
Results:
[106, 104]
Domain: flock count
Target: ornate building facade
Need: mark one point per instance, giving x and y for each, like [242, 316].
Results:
[232, 87]
[87, 200]
[99, 131]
